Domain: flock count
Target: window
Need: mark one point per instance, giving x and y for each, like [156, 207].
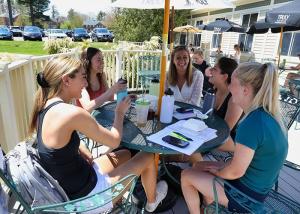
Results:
[246, 40]
[197, 40]
[216, 40]
[182, 40]
[198, 23]
[290, 44]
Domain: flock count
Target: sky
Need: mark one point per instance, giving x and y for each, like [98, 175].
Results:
[88, 7]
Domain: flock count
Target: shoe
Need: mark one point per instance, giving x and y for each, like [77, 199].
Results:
[161, 193]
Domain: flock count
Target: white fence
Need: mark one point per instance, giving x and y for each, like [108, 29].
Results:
[18, 86]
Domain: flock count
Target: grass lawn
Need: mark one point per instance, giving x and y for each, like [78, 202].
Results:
[36, 47]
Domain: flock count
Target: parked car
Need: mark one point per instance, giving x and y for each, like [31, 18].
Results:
[56, 34]
[102, 35]
[79, 34]
[32, 33]
[68, 32]
[16, 31]
[5, 33]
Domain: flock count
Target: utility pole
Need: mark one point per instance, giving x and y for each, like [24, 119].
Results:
[10, 16]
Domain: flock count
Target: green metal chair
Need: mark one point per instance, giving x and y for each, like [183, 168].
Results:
[274, 203]
[87, 203]
[149, 67]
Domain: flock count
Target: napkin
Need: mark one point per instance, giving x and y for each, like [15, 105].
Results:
[194, 125]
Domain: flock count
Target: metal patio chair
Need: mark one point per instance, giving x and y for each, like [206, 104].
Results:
[274, 202]
[83, 204]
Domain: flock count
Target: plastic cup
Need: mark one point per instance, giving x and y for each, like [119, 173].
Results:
[142, 108]
[121, 95]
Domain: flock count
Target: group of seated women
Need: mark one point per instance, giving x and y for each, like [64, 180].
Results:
[247, 93]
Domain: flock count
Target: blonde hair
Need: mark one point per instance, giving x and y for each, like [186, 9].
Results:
[263, 78]
[172, 74]
[237, 48]
[199, 52]
[52, 77]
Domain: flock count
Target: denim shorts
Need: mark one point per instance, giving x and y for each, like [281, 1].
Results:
[234, 206]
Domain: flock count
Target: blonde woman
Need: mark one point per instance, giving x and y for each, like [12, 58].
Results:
[185, 81]
[261, 143]
[57, 123]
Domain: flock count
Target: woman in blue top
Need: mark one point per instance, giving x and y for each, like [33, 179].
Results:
[261, 143]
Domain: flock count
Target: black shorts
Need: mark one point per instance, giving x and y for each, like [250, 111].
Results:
[233, 205]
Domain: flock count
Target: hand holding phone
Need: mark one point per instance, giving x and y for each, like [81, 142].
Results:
[175, 141]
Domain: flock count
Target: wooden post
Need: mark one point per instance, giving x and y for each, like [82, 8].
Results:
[280, 45]
[164, 53]
[119, 56]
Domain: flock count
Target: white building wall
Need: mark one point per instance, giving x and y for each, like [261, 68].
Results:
[264, 45]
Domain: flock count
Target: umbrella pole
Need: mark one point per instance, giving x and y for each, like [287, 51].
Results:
[172, 32]
[280, 45]
[164, 53]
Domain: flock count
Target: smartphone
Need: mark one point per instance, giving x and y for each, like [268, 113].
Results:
[183, 110]
[175, 141]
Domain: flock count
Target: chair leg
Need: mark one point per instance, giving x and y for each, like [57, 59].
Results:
[276, 186]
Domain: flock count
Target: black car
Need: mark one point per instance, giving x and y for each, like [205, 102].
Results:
[32, 33]
[5, 33]
[102, 35]
[68, 32]
[79, 34]
[16, 31]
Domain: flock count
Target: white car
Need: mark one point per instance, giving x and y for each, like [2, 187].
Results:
[56, 34]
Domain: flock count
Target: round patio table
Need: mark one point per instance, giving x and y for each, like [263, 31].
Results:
[134, 137]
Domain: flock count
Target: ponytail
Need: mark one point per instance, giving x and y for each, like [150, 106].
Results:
[263, 79]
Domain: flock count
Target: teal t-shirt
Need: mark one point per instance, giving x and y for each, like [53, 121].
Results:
[262, 133]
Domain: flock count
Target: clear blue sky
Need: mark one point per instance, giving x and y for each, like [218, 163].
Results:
[88, 7]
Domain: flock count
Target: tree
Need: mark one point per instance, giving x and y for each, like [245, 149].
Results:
[75, 19]
[36, 8]
[101, 16]
[140, 25]
[54, 13]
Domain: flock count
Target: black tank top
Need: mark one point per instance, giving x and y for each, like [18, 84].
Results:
[221, 112]
[72, 172]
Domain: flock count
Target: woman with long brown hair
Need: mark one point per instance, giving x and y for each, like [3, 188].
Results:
[97, 91]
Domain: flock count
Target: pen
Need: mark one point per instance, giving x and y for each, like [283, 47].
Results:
[183, 136]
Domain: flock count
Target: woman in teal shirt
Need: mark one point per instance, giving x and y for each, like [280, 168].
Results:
[261, 143]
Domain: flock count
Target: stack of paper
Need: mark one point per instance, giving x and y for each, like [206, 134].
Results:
[198, 137]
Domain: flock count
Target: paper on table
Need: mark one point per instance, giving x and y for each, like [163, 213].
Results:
[198, 137]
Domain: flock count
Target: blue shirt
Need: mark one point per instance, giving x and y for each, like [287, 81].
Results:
[262, 133]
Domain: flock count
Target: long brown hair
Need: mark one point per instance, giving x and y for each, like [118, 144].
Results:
[87, 57]
[50, 80]
[172, 74]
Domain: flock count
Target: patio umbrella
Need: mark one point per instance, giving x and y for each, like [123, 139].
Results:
[187, 29]
[286, 15]
[176, 4]
[261, 26]
[223, 25]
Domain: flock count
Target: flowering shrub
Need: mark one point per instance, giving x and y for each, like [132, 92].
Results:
[53, 46]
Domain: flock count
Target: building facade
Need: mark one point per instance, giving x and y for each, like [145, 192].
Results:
[246, 12]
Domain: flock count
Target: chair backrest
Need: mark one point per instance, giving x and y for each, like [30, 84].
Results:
[289, 108]
[274, 202]
[149, 65]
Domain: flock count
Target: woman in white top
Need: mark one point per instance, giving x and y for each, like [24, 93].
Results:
[237, 54]
[185, 81]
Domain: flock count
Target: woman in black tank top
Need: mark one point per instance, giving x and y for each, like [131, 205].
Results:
[224, 107]
[57, 122]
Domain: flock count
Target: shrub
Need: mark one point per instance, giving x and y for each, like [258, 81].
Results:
[54, 46]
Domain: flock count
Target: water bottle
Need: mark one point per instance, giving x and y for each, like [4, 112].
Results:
[123, 93]
[209, 101]
[167, 106]
[154, 87]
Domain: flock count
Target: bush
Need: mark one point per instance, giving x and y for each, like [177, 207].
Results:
[54, 46]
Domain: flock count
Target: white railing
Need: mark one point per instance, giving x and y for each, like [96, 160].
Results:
[18, 86]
